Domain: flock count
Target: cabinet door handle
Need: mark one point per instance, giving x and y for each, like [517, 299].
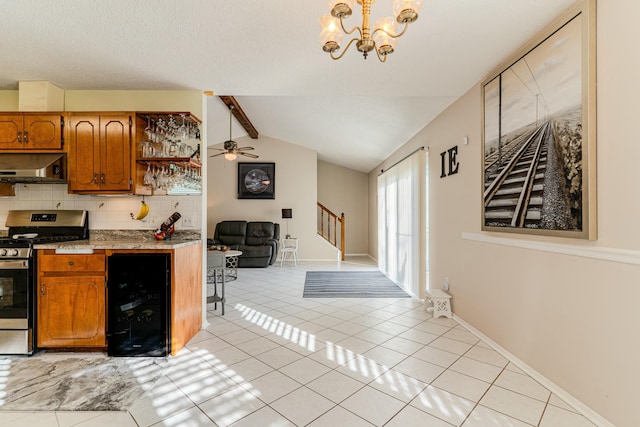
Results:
[19, 136]
[102, 178]
[95, 178]
[42, 289]
[25, 136]
[70, 262]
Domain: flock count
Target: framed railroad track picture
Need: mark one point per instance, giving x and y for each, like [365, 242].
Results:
[256, 180]
[539, 139]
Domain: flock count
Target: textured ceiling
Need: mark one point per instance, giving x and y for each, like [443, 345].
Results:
[354, 112]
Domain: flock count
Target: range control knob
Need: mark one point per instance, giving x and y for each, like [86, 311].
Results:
[3, 252]
[13, 252]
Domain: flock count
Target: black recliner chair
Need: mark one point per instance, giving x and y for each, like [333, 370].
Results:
[258, 241]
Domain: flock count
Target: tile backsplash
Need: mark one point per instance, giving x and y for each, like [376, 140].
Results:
[106, 212]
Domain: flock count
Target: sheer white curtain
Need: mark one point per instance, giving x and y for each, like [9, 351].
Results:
[399, 225]
[426, 222]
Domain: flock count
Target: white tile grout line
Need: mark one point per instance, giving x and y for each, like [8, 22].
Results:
[391, 367]
[580, 407]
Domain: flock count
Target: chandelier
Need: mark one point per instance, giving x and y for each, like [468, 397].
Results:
[384, 35]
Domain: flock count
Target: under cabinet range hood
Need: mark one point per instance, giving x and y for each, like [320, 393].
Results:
[37, 168]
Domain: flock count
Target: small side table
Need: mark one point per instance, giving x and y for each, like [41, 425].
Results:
[441, 303]
[231, 264]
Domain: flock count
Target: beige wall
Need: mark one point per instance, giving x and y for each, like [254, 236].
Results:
[8, 100]
[134, 100]
[573, 319]
[295, 187]
[120, 100]
[346, 190]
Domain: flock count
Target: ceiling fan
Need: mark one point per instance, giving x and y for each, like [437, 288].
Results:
[231, 149]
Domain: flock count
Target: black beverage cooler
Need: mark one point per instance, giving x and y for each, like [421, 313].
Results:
[138, 304]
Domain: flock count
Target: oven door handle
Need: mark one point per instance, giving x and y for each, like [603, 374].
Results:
[14, 264]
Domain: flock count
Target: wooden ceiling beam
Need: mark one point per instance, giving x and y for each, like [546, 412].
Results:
[240, 116]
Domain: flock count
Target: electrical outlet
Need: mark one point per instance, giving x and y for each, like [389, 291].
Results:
[154, 223]
[445, 284]
[187, 221]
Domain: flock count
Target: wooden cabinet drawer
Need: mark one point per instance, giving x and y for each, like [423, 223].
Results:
[70, 263]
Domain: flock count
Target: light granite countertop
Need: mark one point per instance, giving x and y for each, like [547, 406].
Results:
[124, 239]
[80, 245]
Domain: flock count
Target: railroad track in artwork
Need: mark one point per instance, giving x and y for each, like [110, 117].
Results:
[513, 189]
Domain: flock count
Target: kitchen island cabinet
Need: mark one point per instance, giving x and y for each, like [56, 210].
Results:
[185, 294]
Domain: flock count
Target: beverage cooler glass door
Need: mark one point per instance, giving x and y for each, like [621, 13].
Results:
[138, 295]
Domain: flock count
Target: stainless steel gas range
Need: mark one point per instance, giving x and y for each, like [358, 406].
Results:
[18, 269]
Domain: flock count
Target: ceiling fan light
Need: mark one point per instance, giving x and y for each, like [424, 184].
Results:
[231, 149]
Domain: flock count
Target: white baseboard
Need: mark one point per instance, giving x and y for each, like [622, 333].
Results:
[580, 407]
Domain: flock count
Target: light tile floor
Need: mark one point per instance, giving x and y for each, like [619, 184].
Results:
[277, 359]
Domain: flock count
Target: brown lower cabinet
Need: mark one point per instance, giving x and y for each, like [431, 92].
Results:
[71, 300]
[72, 295]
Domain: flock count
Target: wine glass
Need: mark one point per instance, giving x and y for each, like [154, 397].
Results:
[183, 132]
[149, 179]
[148, 131]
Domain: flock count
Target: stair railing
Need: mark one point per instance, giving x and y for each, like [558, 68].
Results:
[328, 227]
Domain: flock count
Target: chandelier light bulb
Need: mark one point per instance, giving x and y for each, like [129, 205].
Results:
[384, 42]
[406, 10]
[331, 35]
[341, 7]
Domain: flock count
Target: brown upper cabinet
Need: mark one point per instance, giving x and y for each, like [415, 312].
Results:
[99, 153]
[31, 131]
